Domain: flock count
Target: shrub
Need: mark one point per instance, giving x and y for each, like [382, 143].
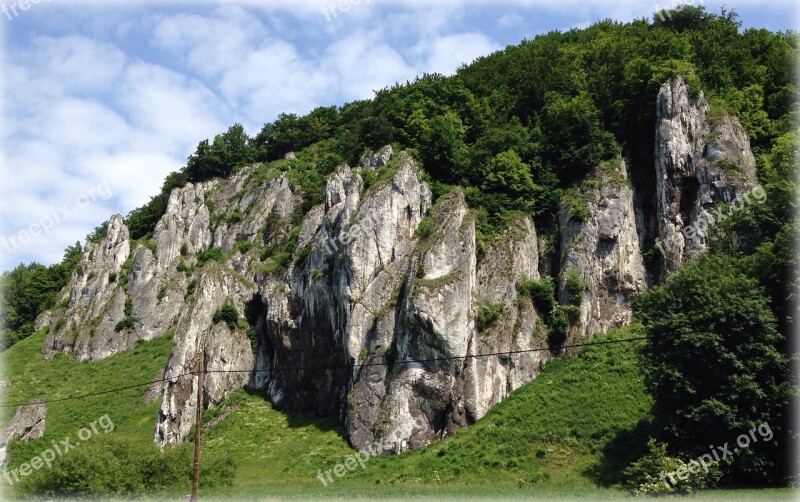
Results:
[252, 335]
[99, 233]
[282, 255]
[213, 254]
[184, 249]
[426, 229]
[242, 246]
[559, 327]
[112, 277]
[279, 263]
[116, 467]
[542, 293]
[302, 256]
[489, 314]
[236, 216]
[191, 288]
[391, 354]
[183, 267]
[656, 474]
[579, 210]
[369, 176]
[572, 312]
[714, 364]
[125, 273]
[575, 287]
[127, 322]
[228, 314]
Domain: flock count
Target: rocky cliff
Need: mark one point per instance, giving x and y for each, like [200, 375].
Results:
[376, 307]
[701, 159]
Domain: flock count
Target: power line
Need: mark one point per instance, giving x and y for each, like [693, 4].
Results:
[322, 368]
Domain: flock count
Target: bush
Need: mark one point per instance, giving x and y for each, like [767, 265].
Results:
[228, 314]
[714, 366]
[542, 293]
[302, 256]
[575, 287]
[282, 254]
[115, 467]
[489, 314]
[212, 254]
[191, 288]
[559, 327]
[369, 176]
[236, 216]
[242, 246]
[127, 322]
[125, 273]
[657, 474]
[183, 267]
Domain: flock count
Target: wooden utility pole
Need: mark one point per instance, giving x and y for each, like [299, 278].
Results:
[197, 429]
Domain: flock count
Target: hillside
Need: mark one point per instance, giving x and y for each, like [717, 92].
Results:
[556, 437]
[412, 271]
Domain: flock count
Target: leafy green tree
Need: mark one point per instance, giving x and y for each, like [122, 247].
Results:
[229, 150]
[440, 143]
[507, 174]
[713, 365]
[142, 221]
[28, 290]
[574, 140]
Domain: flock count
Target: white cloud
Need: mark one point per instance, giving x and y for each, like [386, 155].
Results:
[113, 91]
[81, 112]
[210, 44]
[445, 54]
[510, 20]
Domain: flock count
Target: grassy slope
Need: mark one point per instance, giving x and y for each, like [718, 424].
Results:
[550, 434]
[31, 377]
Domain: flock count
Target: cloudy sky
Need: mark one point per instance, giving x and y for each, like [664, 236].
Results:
[100, 100]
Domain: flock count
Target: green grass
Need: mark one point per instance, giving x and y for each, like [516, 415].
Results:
[552, 432]
[562, 436]
[549, 434]
[31, 377]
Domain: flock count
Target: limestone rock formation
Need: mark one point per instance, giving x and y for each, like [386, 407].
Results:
[361, 301]
[28, 423]
[601, 250]
[701, 159]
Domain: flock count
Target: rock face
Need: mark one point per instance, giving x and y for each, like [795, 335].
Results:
[701, 159]
[368, 303]
[601, 251]
[28, 423]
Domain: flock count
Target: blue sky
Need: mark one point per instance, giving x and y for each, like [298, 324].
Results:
[100, 100]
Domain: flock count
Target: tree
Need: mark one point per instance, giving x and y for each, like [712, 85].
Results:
[713, 365]
[206, 162]
[229, 150]
[574, 140]
[28, 290]
[507, 174]
[440, 143]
